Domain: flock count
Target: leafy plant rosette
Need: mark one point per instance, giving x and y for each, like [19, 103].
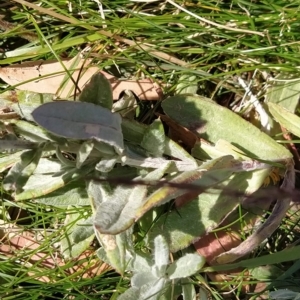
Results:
[66, 153]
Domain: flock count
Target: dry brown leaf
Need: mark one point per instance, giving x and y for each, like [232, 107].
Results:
[214, 244]
[50, 77]
[179, 133]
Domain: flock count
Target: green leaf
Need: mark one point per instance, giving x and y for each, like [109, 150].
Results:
[98, 192]
[36, 133]
[104, 149]
[110, 217]
[65, 161]
[161, 254]
[134, 133]
[14, 144]
[285, 118]
[187, 84]
[83, 153]
[117, 212]
[284, 294]
[268, 272]
[31, 132]
[82, 121]
[126, 106]
[129, 294]
[206, 211]
[185, 266]
[98, 91]
[83, 230]
[154, 139]
[72, 194]
[285, 91]
[213, 122]
[153, 290]
[115, 248]
[106, 165]
[45, 180]
[8, 161]
[188, 290]
[174, 290]
[69, 248]
[172, 149]
[22, 170]
[140, 262]
[25, 101]
[143, 278]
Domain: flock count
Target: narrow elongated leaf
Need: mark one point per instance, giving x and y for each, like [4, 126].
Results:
[134, 132]
[214, 122]
[288, 254]
[118, 211]
[69, 248]
[14, 144]
[285, 91]
[36, 133]
[63, 159]
[22, 170]
[268, 227]
[83, 230]
[98, 91]
[210, 173]
[31, 132]
[108, 216]
[106, 165]
[161, 254]
[153, 290]
[115, 249]
[84, 151]
[174, 150]
[104, 149]
[287, 119]
[40, 184]
[157, 162]
[9, 160]
[189, 292]
[82, 121]
[98, 192]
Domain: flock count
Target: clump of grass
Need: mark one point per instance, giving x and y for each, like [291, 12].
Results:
[211, 40]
